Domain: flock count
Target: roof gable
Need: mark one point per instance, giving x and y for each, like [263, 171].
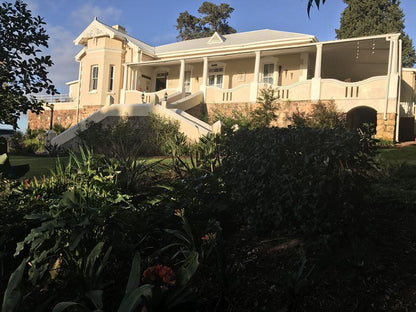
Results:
[216, 38]
[98, 29]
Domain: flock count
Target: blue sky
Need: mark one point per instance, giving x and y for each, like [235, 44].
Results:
[154, 22]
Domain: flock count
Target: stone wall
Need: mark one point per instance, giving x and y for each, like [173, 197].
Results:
[286, 110]
[386, 128]
[64, 117]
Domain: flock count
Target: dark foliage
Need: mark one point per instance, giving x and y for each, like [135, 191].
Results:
[22, 71]
[214, 19]
[304, 181]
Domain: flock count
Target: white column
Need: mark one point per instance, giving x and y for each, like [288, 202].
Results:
[395, 63]
[123, 93]
[316, 80]
[182, 77]
[203, 87]
[318, 62]
[79, 90]
[257, 67]
[255, 85]
[205, 72]
[394, 74]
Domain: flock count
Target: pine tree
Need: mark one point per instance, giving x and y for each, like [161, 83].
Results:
[375, 17]
[214, 19]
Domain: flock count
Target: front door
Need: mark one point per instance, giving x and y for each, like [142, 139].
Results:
[161, 81]
[187, 82]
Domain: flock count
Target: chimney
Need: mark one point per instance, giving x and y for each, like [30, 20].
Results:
[120, 29]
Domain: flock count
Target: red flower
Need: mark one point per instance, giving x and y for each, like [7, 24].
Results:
[179, 212]
[209, 237]
[159, 275]
[37, 197]
[27, 182]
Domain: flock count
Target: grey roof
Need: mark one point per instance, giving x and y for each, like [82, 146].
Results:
[237, 39]
[241, 38]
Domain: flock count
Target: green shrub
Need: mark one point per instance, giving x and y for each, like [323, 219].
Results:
[266, 113]
[148, 137]
[323, 115]
[299, 180]
[262, 116]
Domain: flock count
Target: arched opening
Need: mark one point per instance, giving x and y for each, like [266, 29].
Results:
[359, 116]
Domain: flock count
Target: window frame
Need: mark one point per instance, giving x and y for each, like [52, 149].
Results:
[94, 71]
[111, 78]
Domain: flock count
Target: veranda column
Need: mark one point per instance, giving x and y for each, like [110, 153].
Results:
[182, 77]
[123, 93]
[255, 84]
[316, 80]
[203, 87]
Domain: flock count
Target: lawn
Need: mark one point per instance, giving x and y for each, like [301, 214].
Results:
[39, 165]
[398, 155]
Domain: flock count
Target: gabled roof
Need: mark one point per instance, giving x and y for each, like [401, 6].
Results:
[216, 41]
[97, 29]
[216, 38]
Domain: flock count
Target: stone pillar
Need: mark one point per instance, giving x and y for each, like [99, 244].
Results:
[182, 77]
[316, 80]
[386, 127]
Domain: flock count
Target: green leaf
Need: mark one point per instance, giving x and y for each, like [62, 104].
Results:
[92, 257]
[133, 299]
[13, 296]
[188, 269]
[62, 306]
[96, 297]
[135, 273]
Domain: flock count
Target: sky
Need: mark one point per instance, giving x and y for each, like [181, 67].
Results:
[154, 23]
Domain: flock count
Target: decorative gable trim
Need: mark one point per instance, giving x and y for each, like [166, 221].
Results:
[94, 30]
[216, 38]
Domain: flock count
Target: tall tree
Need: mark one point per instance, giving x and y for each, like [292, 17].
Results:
[375, 17]
[213, 19]
[23, 71]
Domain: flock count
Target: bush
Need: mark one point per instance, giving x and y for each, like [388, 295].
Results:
[323, 115]
[262, 116]
[299, 180]
[149, 137]
[33, 141]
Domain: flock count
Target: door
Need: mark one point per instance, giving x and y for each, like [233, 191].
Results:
[161, 81]
[187, 82]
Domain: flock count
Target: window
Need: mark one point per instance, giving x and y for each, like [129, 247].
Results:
[111, 78]
[268, 73]
[216, 76]
[94, 78]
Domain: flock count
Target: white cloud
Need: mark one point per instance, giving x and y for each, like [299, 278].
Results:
[62, 51]
[86, 13]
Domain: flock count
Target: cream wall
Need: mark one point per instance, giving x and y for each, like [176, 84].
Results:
[408, 86]
[239, 72]
[73, 90]
[104, 52]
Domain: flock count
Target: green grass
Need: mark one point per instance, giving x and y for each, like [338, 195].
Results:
[398, 155]
[39, 166]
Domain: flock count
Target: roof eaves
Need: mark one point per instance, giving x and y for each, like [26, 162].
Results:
[235, 46]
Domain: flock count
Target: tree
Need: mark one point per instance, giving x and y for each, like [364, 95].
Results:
[214, 19]
[375, 17]
[317, 3]
[23, 71]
